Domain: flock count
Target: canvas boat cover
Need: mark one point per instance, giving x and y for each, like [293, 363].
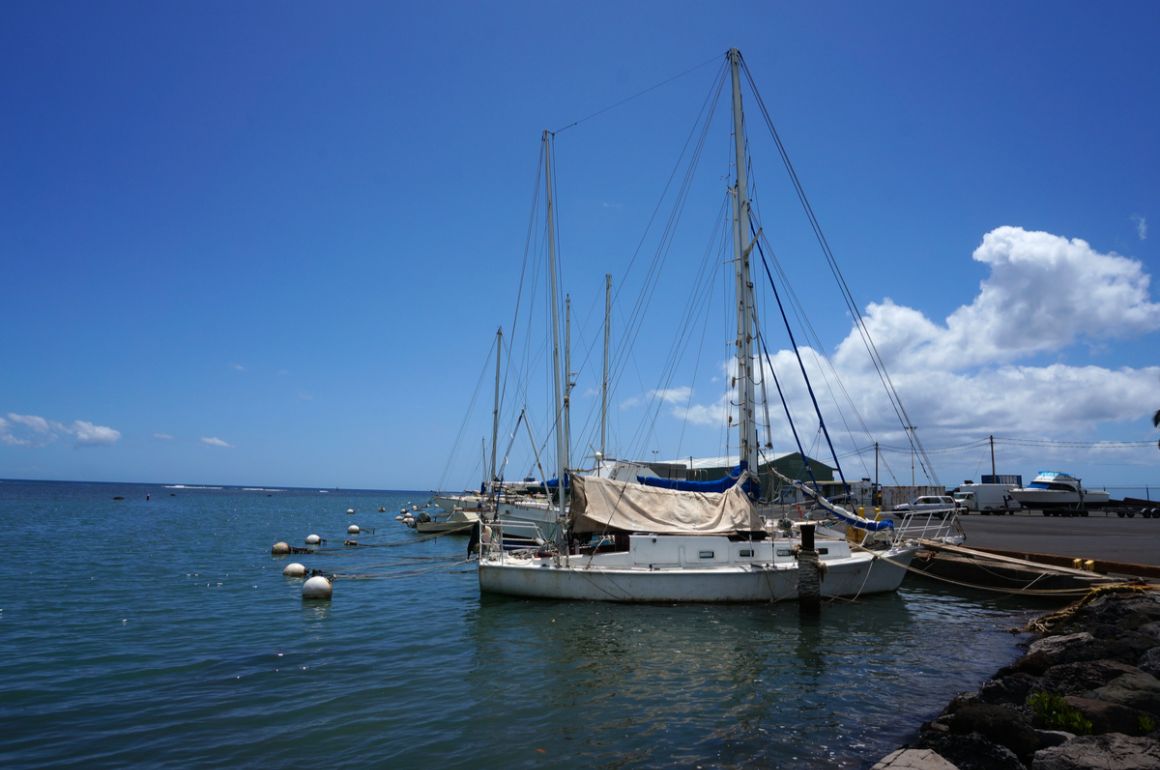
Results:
[600, 504]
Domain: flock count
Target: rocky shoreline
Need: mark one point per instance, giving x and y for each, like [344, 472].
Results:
[1085, 695]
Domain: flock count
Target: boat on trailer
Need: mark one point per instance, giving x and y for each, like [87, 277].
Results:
[1055, 491]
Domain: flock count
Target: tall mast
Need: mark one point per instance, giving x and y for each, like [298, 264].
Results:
[604, 379]
[567, 370]
[495, 409]
[741, 248]
[557, 385]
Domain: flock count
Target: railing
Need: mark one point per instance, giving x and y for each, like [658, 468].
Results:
[934, 524]
[501, 537]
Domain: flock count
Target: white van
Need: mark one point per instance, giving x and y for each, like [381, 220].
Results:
[986, 498]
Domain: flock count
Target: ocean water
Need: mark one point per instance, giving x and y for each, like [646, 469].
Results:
[161, 633]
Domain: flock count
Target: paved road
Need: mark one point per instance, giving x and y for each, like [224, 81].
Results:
[1097, 536]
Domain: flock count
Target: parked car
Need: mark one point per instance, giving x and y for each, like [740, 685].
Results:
[939, 505]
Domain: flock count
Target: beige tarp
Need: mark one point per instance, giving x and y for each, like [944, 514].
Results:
[600, 504]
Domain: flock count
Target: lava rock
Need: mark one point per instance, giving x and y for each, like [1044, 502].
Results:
[1135, 689]
[1001, 724]
[1012, 688]
[1112, 751]
[1107, 717]
[1150, 661]
[972, 752]
[1081, 678]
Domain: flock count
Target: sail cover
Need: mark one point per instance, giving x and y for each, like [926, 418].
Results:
[716, 485]
[600, 504]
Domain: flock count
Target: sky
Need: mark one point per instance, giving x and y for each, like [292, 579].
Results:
[270, 243]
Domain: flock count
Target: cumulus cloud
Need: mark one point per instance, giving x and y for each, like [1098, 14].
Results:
[215, 441]
[982, 368]
[1044, 293]
[34, 431]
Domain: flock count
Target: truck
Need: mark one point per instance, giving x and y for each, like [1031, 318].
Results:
[986, 499]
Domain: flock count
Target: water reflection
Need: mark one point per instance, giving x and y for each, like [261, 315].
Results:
[657, 685]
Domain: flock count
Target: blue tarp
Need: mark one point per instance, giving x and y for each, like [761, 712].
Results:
[860, 522]
[716, 485]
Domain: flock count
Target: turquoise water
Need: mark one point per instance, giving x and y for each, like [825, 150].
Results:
[161, 633]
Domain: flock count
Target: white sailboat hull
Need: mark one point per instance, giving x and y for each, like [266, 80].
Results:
[520, 517]
[770, 574]
[466, 502]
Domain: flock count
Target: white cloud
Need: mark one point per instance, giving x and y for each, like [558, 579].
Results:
[163, 437]
[35, 431]
[631, 402]
[238, 367]
[979, 371]
[6, 436]
[673, 395]
[215, 441]
[88, 434]
[1044, 293]
[707, 414]
[32, 422]
[1141, 226]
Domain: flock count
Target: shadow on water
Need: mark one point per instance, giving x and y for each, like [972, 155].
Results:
[609, 685]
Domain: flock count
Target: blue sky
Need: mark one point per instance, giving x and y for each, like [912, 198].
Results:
[270, 243]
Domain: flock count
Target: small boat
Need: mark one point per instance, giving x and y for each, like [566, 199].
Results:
[457, 522]
[1055, 491]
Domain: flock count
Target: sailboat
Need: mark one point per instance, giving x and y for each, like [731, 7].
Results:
[674, 542]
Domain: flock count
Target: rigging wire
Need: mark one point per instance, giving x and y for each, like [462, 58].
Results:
[466, 415]
[639, 94]
[851, 303]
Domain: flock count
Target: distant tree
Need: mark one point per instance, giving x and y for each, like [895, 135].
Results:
[1156, 419]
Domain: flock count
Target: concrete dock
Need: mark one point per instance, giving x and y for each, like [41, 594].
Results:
[1097, 536]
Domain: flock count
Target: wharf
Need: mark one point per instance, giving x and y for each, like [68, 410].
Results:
[1031, 553]
[1098, 537]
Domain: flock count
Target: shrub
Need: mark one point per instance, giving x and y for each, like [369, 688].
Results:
[1054, 713]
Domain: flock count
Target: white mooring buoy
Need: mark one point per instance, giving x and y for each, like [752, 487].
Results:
[294, 569]
[313, 540]
[317, 587]
[350, 510]
[280, 548]
[352, 529]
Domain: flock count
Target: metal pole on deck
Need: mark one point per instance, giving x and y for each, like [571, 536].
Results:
[809, 577]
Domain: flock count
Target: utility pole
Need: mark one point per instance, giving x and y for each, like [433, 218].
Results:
[992, 438]
[910, 432]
